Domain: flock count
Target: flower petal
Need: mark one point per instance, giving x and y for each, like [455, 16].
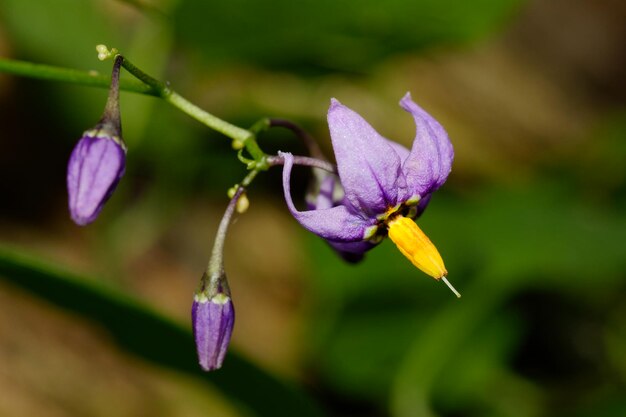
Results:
[352, 251]
[336, 224]
[430, 161]
[402, 152]
[369, 168]
[324, 190]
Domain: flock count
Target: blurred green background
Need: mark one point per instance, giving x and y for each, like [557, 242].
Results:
[531, 222]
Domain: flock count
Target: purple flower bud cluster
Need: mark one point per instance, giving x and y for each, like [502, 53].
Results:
[378, 189]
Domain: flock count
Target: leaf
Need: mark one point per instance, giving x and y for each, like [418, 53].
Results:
[153, 337]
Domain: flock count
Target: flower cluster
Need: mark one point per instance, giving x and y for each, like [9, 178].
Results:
[378, 189]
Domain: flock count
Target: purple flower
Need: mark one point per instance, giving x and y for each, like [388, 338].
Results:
[213, 320]
[95, 167]
[383, 183]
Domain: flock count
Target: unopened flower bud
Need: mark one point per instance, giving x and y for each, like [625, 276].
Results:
[98, 160]
[96, 165]
[213, 319]
[212, 313]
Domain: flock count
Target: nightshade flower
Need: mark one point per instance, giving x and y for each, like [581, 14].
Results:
[385, 186]
[98, 160]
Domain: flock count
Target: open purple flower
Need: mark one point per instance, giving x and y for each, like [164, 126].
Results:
[385, 186]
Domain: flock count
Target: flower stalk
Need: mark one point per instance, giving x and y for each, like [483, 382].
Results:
[240, 136]
[148, 86]
[279, 159]
[212, 312]
[68, 75]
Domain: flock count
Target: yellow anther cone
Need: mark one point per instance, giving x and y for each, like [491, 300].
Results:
[418, 248]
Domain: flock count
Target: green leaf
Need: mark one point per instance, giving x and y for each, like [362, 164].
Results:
[153, 337]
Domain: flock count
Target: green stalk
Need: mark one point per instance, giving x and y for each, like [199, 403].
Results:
[148, 86]
[239, 135]
[91, 78]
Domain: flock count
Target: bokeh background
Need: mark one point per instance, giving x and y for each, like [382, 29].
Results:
[531, 223]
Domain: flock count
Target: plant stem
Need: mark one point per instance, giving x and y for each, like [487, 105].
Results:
[249, 178]
[304, 161]
[236, 133]
[149, 86]
[243, 136]
[314, 149]
[91, 78]
[214, 277]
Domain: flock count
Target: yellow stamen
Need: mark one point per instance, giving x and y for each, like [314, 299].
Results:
[416, 246]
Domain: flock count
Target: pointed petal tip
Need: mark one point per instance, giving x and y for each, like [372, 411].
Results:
[407, 102]
[334, 105]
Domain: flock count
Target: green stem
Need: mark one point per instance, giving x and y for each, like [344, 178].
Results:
[214, 279]
[91, 78]
[149, 86]
[234, 132]
[250, 177]
[243, 136]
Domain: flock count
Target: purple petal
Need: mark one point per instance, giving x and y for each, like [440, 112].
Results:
[370, 170]
[352, 251]
[430, 161]
[336, 224]
[94, 169]
[213, 322]
[400, 150]
[324, 191]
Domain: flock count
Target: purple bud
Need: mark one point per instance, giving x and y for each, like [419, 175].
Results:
[213, 321]
[98, 160]
[96, 165]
